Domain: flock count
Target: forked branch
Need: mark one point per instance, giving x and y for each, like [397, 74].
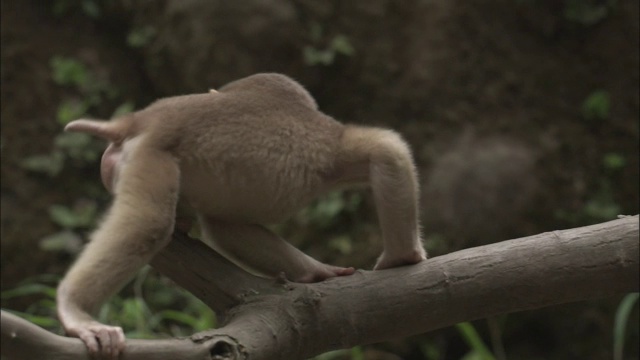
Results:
[266, 319]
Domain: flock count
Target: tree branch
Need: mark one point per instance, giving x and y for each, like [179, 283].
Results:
[267, 319]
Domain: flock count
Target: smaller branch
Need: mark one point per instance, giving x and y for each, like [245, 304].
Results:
[208, 275]
[24, 340]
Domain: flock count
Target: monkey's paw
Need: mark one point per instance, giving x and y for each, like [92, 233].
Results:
[413, 257]
[103, 341]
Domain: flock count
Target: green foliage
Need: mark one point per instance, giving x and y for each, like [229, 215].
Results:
[27, 288]
[600, 207]
[140, 37]
[123, 109]
[588, 12]
[82, 148]
[622, 318]
[68, 71]
[479, 350]
[430, 351]
[82, 215]
[596, 106]
[136, 314]
[323, 212]
[50, 164]
[79, 148]
[614, 161]
[355, 353]
[90, 8]
[318, 54]
[342, 244]
[66, 241]
[42, 311]
[145, 314]
[71, 109]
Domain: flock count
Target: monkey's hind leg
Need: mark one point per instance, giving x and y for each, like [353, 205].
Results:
[389, 169]
[258, 250]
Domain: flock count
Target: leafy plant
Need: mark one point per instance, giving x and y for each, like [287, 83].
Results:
[613, 161]
[136, 313]
[139, 37]
[596, 106]
[42, 311]
[325, 210]
[82, 215]
[82, 148]
[479, 350]
[90, 8]
[622, 318]
[600, 207]
[588, 12]
[68, 71]
[355, 353]
[50, 164]
[325, 55]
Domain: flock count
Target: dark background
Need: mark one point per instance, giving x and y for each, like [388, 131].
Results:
[522, 114]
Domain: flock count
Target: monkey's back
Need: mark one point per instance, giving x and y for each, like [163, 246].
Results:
[256, 154]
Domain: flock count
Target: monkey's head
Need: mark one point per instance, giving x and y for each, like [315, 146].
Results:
[112, 131]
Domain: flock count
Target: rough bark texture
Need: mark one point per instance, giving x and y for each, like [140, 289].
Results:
[268, 319]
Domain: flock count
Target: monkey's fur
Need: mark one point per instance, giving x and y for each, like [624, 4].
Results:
[251, 154]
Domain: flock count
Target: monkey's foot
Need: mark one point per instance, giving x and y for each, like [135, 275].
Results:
[413, 257]
[322, 272]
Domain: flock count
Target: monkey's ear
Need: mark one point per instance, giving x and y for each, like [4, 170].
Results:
[111, 131]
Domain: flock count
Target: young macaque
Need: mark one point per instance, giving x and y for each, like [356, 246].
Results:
[250, 154]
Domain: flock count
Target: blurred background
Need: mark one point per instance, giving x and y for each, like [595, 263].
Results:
[522, 115]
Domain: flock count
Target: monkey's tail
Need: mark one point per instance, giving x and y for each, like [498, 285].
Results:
[110, 130]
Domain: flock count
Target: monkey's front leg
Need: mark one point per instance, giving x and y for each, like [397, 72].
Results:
[262, 251]
[137, 226]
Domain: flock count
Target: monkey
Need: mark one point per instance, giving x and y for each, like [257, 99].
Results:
[247, 155]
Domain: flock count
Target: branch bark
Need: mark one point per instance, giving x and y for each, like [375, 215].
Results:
[267, 319]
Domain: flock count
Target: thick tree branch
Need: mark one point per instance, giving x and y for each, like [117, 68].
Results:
[266, 319]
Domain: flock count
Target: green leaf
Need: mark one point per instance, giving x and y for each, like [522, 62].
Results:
[179, 317]
[614, 161]
[63, 216]
[342, 45]
[43, 321]
[81, 216]
[29, 289]
[140, 37]
[597, 106]
[68, 71]
[313, 56]
[471, 337]
[587, 12]
[342, 244]
[63, 241]
[620, 325]
[91, 8]
[123, 109]
[79, 146]
[72, 140]
[47, 164]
